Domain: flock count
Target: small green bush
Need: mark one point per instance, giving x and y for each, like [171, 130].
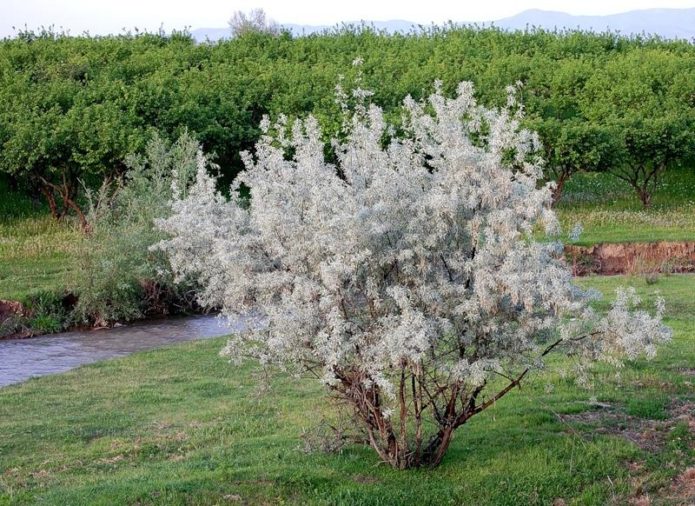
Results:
[45, 324]
[120, 277]
[11, 325]
[651, 278]
[48, 312]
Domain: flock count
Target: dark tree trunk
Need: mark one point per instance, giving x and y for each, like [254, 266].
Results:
[645, 196]
[437, 447]
[82, 218]
[452, 405]
[47, 192]
[560, 186]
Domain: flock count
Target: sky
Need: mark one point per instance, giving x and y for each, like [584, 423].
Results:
[112, 16]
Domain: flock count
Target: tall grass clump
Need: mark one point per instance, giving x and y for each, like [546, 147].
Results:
[119, 276]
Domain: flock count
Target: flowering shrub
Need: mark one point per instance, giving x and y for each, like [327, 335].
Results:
[403, 273]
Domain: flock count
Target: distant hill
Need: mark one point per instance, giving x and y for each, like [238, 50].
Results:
[668, 23]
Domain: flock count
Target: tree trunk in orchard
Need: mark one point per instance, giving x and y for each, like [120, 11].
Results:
[68, 196]
[82, 218]
[47, 192]
[560, 186]
[645, 197]
[643, 180]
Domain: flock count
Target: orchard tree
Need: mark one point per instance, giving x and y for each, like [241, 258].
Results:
[572, 146]
[649, 146]
[73, 108]
[405, 276]
[647, 98]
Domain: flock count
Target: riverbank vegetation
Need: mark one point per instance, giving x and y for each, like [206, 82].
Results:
[102, 270]
[38, 253]
[41, 257]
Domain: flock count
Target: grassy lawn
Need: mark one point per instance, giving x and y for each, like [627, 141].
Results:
[181, 426]
[621, 226]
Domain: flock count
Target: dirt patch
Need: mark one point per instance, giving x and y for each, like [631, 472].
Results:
[631, 258]
[652, 437]
[112, 460]
[681, 491]
[11, 308]
[685, 413]
[684, 487]
[649, 435]
[365, 480]
[642, 500]
[12, 318]
[654, 383]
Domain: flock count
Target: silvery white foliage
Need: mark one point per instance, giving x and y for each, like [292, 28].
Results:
[411, 256]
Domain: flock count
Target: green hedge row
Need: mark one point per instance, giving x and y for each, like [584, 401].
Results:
[72, 108]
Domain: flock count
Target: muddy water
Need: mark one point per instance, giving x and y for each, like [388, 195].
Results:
[21, 359]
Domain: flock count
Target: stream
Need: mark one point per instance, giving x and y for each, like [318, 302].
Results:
[21, 359]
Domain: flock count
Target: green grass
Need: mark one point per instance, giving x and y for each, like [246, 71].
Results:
[181, 426]
[616, 226]
[609, 211]
[37, 253]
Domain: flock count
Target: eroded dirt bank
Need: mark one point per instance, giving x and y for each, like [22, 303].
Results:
[631, 258]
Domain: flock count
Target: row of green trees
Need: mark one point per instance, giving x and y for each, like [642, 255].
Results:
[72, 108]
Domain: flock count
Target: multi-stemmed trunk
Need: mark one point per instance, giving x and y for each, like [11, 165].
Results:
[399, 440]
[562, 176]
[66, 191]
[643, 179]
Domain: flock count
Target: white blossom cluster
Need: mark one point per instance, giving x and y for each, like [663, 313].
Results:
[409, 246]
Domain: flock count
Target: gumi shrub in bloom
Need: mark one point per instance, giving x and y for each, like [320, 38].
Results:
[402, 269]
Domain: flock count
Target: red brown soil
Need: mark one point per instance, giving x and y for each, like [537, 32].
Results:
[650, 435]
[685, 486]
[631, 258]
[10, 312]
[10, 308]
